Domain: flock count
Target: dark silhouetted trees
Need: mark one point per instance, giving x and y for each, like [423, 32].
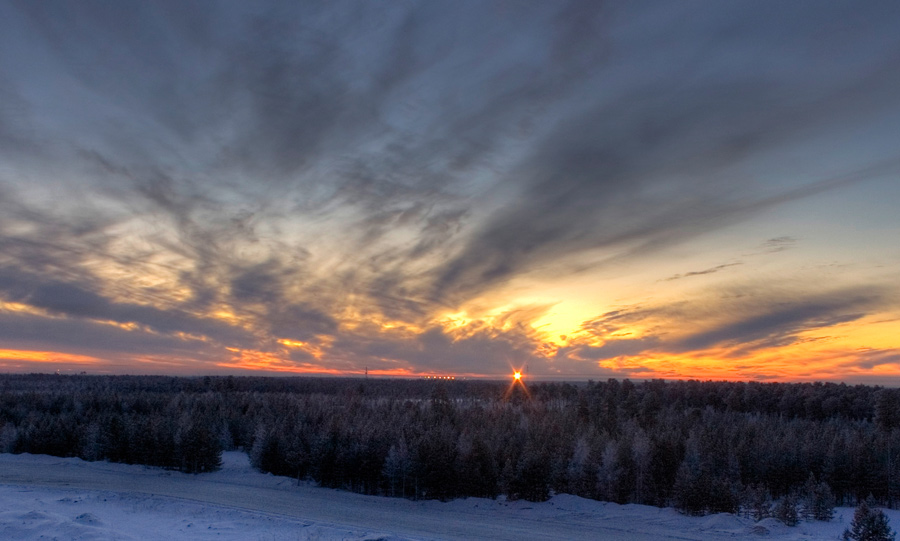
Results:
[704, 447]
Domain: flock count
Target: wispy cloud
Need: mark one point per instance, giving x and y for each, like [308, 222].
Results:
[779, 244]
[710, 270]
[330, 173]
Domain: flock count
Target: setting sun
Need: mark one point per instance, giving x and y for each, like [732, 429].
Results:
[517, 376]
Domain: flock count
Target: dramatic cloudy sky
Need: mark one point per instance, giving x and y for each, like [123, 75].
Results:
[623, 189]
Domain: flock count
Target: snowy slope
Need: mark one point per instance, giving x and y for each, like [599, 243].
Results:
[44, 497]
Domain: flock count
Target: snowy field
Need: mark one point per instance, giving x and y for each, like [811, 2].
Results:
[43, 497]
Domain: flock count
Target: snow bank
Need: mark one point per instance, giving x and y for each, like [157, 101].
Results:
[64, 498]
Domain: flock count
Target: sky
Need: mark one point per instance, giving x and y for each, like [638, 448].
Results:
[590, 190]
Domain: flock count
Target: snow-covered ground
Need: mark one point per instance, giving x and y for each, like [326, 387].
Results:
[43, 497]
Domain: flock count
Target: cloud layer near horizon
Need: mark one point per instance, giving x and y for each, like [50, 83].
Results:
[450, 187]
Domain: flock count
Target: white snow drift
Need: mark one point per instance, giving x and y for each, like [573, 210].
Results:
[44, 497]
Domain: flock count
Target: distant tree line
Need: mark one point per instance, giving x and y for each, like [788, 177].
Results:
[792, 451]
[109, 422]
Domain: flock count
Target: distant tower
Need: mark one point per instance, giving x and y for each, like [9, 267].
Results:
[367, 372]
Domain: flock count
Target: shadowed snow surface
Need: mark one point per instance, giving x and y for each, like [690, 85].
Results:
[43, 497]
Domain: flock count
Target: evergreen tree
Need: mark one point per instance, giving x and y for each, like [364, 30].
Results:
[610, 473]
[691, 490]
[532, 479]
[691, 444]
[476, 468]
[818, 500]
[397, 467]
[8, 436]
[580, 470]
[641, 452]
[869, 525]
[786, 510]
[198, 447]
[757, 502]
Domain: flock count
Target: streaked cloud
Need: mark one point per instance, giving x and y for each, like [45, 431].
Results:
[710, 270]
[329, 186]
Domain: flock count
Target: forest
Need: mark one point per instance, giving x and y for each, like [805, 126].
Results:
[790, 450]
